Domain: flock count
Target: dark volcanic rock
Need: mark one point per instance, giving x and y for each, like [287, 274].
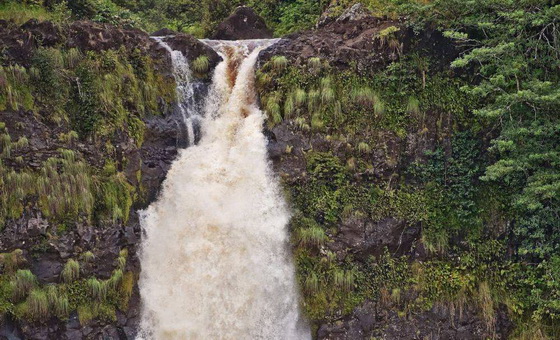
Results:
[358, 37]
[192, 48]
[163, 32]
[244, 23]
[439, 323]
[19, 43]
[364, 237]
[87, 35]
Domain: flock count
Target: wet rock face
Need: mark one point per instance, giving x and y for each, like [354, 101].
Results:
[244, 23]
[439, 323]
[191, 47]
[364, 238]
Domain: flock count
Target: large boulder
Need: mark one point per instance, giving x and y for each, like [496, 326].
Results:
[192, 48]
[244, 23]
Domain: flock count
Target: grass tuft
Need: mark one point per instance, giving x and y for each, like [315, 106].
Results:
[279, 63]
[364, 147]
[24, 281]
[313, 236]
[97, 289]
[311, 283]
[71, 271]
[314, 64]
[300, 96]
[201, 64]
[38, 305]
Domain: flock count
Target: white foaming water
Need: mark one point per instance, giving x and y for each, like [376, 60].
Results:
[184, 89]
[215, 257]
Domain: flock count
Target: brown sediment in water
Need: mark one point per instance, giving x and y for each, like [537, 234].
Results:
[233, 63]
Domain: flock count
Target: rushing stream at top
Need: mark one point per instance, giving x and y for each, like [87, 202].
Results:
[215, 256]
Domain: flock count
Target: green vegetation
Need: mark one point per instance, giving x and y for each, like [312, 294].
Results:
[485, 196]
[23, 297]
[195, 17]
[71, 271]
[94, 97]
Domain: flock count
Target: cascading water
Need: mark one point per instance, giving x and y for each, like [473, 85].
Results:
[215, 257]
[185, 90]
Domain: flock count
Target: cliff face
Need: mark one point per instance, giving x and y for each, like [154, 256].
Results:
[359, 109]
[355, 106]
[89, 132]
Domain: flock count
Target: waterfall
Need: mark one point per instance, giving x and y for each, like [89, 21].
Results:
[215, 257]
[185, 90]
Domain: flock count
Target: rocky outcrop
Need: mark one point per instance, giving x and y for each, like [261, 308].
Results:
[361, 39]
[192, 48]
[356, 12]
[244, 23]
[370, 321]
[19, 43]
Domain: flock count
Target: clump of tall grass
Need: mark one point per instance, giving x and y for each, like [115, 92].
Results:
[273, 109]
[313, 100]
[65, 186]
[122, 258]
[87, 256]
[97, 289]
[337, 110]
[317, 122]
[115, 279]
[344, 279]
[125, 289]
[327, 92]
[62, 307]
[24, 281]
[314, 64]
[300, 96]
[201, 64]
[289, 106]
[413, 105]
[263, 78]
[387, 35]
[72, 58]
[6, 144]
[379, 107]
[311, 283]
[312, 235]
[21, 143]
[86, 314]
[486, 305]
[301, 124]
[279, 63]
[12, 261]
[364, 95]
[364, 147]
[37, 305]
[71, 271]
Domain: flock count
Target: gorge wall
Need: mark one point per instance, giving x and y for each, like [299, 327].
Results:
[346, 176]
